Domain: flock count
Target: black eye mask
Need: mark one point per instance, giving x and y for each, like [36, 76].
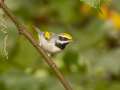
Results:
[61, 46]
[63, 38]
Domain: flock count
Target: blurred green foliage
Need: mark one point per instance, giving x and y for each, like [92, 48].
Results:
[94, 3]
[89, 63]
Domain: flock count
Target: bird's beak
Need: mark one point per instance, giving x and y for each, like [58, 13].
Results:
[70, 40]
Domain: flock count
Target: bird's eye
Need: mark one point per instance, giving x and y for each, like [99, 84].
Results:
[63, 38]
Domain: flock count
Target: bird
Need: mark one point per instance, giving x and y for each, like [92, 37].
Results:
[53, 43]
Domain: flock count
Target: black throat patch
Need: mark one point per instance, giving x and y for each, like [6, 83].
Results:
[61, 46]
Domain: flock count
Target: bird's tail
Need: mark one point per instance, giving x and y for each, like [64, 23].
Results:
[37, 30]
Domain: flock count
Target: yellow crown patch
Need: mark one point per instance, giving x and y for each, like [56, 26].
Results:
[66, 35]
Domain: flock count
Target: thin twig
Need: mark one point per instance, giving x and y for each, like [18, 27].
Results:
[24, 31]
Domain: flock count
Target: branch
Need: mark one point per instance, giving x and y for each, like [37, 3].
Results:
[24, 31]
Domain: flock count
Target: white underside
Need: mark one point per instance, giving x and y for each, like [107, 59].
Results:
[49, 46]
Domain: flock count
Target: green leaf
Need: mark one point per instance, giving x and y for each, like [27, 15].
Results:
[94, 3]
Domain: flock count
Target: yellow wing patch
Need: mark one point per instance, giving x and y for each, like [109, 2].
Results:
[47, 35]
